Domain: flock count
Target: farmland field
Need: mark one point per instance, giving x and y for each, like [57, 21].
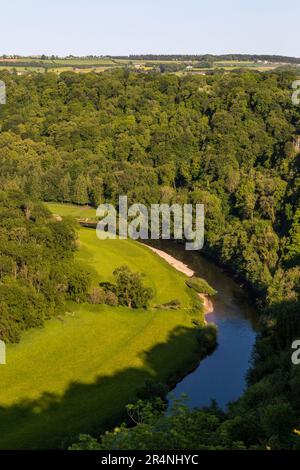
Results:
[101, 64]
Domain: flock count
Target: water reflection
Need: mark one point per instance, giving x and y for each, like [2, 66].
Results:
[221, 376]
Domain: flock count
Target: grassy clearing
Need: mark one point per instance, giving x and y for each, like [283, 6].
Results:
[71, 210]
[77, 373]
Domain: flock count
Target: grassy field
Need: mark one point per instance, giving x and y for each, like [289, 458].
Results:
[78, 372]
[71, 210]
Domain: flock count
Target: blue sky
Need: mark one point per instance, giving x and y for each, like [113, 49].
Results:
[116, 27]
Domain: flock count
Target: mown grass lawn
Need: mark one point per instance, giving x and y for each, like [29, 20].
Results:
[71, 210]
[78, 372]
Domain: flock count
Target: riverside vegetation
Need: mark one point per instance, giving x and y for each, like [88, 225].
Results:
[228, 140]
[107, 329]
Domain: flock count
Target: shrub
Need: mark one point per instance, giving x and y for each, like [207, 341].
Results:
[200, 285]
[97, 296]
[78, 283]
[207, 339]
[152, 389]
[172, 305]
[130, 290]
[101, 296]
[110, 298]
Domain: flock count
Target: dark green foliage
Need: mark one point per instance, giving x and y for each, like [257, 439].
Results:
[130, 290]
[207, 338]
[179, 430]
[78, 283]
[269, 426]
[37, 272]
[225, 140]
[152, 390]
[212, 57]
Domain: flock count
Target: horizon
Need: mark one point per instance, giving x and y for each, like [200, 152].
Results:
[90, 27]
[125, 56]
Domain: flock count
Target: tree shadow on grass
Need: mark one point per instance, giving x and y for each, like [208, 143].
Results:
[54, 421]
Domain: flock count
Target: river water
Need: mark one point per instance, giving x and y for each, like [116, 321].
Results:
[222, 375]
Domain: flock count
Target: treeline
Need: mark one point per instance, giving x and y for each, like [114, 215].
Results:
[37, 270]
[212, 57]
[180, 57]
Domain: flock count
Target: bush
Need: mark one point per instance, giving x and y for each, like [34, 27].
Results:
[97, 296]
[101, 296]
[152, 389]
[110, 298]
[200, 285]
[172, 305]
[130, 290]
[207, 339]
[78, 283]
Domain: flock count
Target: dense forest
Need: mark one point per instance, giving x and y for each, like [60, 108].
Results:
[37, 268]
[226, 140]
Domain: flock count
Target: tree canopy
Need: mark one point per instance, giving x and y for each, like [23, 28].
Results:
[226, 140]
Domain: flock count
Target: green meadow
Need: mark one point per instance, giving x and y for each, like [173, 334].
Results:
[78, 372]
[72, 210]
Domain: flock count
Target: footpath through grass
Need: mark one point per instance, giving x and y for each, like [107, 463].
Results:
[78, 372]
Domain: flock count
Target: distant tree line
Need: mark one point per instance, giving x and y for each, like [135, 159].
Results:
[212, 57]
[273, 58]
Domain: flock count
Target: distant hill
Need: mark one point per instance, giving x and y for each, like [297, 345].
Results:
[163, 57]
[226, 57]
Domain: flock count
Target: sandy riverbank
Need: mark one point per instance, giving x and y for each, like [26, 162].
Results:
[183, 268]
[208, 304]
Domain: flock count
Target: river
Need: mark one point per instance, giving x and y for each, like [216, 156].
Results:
[222, 375]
